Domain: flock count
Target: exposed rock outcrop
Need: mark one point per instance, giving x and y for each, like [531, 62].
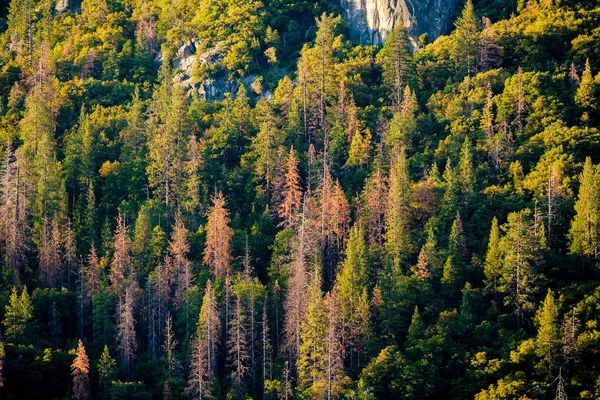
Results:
[372, 20]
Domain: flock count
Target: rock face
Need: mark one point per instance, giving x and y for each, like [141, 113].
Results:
[371, 20]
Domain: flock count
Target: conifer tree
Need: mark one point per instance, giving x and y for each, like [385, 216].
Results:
[80, 370]
[168, 140]
[397, 238]
[396, 61]
[585, 96]
[50, 253]
[403, 125]
[584, 234]
[334, 357]
[121, 271]
[466, 175]
[521, 249]
[350, 284]
[292, 193]
[182, 266]
[312, 356]
[217, 253]
[126, 337]
[107, 368]
[14, 205]
[493, 259]
[18, 312]
[467, 41]
[548, 337]
[140, 247]
[203, 361]
[374, 195]
[237, 347]
[416, 329]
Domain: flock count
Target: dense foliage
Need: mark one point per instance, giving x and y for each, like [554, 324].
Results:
[340, 221]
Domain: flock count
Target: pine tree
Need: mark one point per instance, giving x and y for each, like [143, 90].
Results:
[466, 41]
[217, 253]
[312, 356]
[14, 205]
[548, 337]
[80, 370]
[182, 266]
[121, 271]
[18, 312]
[203, 360]
[397, 238]
[107, 372]
[126, 337]
[584, 234]
[521, 249]
[569, 333]
[237, 347]
[585, 96]
[140, 246]
[37, 132]
[451, 278]
[374, 195]
[168, 140]
[466, 175]
[50, 253]
[292, 193]
[334, 352]
[416, 330]
[403, 125]
[169, 348]
[351, 281]
[396, 61]
[493, 259]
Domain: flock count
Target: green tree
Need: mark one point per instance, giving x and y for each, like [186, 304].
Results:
[396, 60]
[168, 139]
[584, 234]
[548, 337]
[18, 312]
[312, 361]
[522, 251]
[397, 218]
[585, 96]
[493, 259]
[466, 41]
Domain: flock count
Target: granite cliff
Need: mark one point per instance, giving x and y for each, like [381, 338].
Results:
[371, 20]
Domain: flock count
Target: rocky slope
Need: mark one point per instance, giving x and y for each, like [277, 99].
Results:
[371, 20]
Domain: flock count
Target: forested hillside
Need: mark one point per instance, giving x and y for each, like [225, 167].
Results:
[230, 199]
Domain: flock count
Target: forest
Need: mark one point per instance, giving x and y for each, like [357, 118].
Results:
[225, 199]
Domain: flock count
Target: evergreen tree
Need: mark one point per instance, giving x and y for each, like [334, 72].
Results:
[522, 251]
[292, 193]
[217, 253]
[548, 337]
[397, 219]
[466, 175]
[126, 337]
[466, 41]
[107, 372]
[585, 227]
[493, 259]
[18, 312]
[168, 140]
[237, 348]
[396, 61]
[585, 96]
[312, 364]
[80, 370]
